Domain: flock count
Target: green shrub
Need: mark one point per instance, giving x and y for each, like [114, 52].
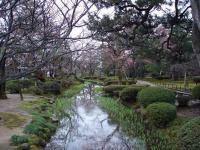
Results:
[109, 82]
[18, 139]
[161, 77]
[102, 78]
[36, 90]
[196, 79]
[66, 84]
[52, 87]
[114, 90]
[12, 86]
[160, 114]
[129, 94]
[151, 95]
[196, 92]
[189, 135]
[123, 82]
[27, 83]
[37, 125]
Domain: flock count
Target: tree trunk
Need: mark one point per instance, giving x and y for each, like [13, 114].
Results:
[2, 77]
[196, 28]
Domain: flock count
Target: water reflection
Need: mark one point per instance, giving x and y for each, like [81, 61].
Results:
[89, 128]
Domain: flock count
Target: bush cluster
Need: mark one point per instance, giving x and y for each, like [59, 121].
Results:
[196, 92]
[160, 114]
[189, 135]
[38, 125]
[151, 95]
[129, 94]
[51, 87]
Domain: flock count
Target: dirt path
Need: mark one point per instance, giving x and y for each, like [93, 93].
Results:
[12, 105]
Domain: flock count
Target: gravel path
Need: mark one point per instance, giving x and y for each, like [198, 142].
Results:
[11, 105]
[141, 82]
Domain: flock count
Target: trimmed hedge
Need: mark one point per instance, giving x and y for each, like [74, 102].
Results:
[196, 92]
[160, 114]
[189, 135]
[113, 90]
[151, 95]
[196, 79]
[129, 94]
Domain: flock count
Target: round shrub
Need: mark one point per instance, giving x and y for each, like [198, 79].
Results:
[113, 90]
[189, 135]
[129, 94]
[196, 92]
[151, 95]
[160, 114]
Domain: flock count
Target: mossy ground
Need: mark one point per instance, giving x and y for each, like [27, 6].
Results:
[30, 106]
[11, 120]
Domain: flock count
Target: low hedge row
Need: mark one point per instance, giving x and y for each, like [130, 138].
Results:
[123, 82]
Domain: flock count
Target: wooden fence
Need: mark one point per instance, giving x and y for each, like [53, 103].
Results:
[178, 88]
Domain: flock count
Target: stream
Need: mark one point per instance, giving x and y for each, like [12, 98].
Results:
[90, 128]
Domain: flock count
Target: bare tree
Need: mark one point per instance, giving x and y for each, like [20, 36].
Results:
[34, 33]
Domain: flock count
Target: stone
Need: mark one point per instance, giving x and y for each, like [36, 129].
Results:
[25, 146]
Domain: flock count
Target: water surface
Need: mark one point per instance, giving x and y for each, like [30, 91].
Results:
[90, 128]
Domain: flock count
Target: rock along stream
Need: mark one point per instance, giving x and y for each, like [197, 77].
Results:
[90, 128]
